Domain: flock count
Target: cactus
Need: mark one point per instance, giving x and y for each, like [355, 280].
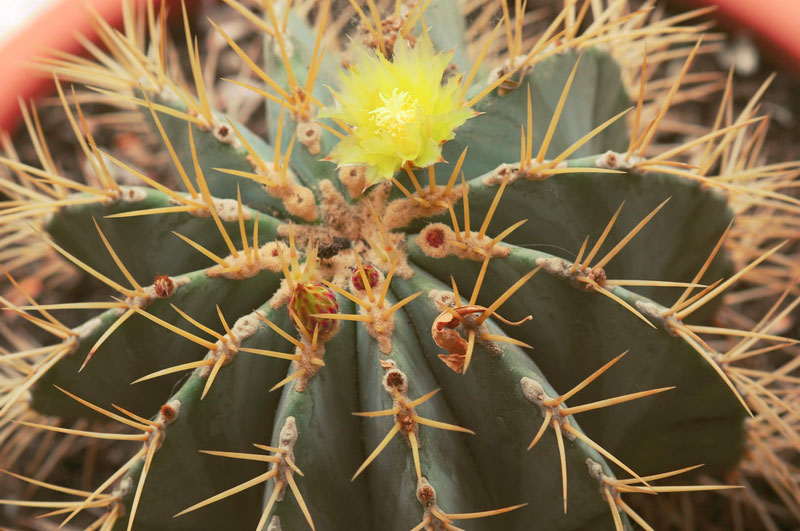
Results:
[431, 293]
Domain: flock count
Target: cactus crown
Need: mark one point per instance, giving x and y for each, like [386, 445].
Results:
[396, 290]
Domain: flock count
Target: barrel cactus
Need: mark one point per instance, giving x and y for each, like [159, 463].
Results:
[455, 283]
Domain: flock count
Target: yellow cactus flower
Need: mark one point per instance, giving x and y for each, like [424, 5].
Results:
[399, 111]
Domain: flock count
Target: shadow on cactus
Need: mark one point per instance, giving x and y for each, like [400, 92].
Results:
[458, 283]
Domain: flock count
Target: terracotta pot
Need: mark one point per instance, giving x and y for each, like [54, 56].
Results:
[774, 23]
[54, 28]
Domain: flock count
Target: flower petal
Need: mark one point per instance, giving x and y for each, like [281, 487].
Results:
[399, 111]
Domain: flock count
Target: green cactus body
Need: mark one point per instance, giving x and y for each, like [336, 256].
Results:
[408, 304]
